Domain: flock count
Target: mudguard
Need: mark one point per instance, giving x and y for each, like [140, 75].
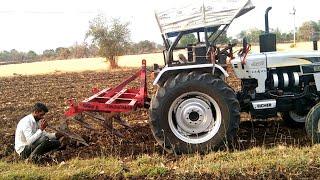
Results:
[167, 70]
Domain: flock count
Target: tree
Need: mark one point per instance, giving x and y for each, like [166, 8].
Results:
[16, 55]
[187, 39]
[62, 53]
[223, 38]
[160, 47]
[306, 30]
[282, 37]
[112, 38]
[145, 47]
[31, 55]
[252, 35]
[93, 50]
[79, 50]
[5, 56]
[49, 54]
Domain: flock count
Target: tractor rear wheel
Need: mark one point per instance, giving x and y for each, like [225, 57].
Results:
[313, 124]
[194, 112]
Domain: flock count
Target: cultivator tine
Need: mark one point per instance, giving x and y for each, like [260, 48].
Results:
[112, 130]
[95, 116]
[107, 121]
[80, 120]
[116, 117]
[63, 129]
[122, 122]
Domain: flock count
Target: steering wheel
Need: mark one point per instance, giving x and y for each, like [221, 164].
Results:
[211, 53]
[228, 50]
[215, 52]
[243, 52]
[245, 44]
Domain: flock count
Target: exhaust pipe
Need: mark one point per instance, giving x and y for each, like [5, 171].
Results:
[315, 39]
[266, 20]
[315, 45]
[267, 40]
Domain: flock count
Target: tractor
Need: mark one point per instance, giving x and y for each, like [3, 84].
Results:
[194, 109]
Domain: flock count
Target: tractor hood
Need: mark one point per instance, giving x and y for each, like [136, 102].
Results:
[283, 59]
[276, 59]
[256, 65]
[280, 59]
[199, 14]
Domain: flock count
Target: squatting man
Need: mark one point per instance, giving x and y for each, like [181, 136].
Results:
[31, 139]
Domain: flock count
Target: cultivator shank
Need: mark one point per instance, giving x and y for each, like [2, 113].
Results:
[105, 105]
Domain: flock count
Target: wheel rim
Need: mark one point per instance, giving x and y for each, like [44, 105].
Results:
[194, 117]
[296, 117]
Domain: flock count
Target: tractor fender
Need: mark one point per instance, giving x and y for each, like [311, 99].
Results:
[167, 72]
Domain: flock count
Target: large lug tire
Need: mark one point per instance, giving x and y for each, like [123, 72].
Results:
[293, 119]
[313, 124]
[194, 112]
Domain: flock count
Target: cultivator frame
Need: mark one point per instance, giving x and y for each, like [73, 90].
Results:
[117, 99]
[105, 105]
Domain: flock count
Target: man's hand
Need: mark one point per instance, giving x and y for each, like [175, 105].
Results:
[58, 135]
[43, 124]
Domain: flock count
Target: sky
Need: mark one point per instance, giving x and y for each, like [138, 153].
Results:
[47, 24]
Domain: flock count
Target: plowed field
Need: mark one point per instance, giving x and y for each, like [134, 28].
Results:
[19, 93]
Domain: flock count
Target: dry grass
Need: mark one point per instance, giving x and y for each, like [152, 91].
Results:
[300, 46]
[57, 66]
[75, 169]
[282, 162]
[135, 60]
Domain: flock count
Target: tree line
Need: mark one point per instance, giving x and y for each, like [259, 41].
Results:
[110, 38]
[304, 33]
[76, 51]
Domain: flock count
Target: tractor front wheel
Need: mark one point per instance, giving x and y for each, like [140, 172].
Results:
[293, 119]
[313, 124]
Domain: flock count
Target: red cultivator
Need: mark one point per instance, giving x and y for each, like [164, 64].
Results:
[117, 99]
[105, 105]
